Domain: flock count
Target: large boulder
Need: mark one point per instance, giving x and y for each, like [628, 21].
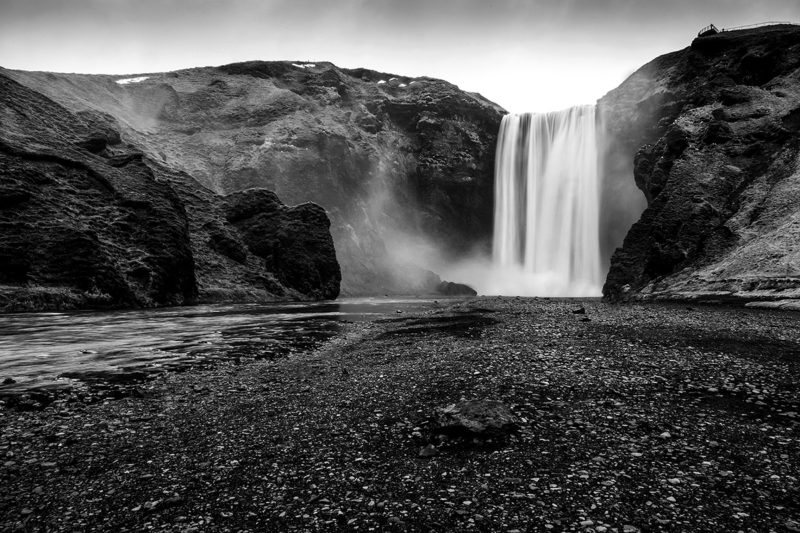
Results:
[449, 288]
[480, 419]
[294, 242]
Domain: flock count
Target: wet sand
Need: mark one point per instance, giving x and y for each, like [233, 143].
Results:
[641, 418]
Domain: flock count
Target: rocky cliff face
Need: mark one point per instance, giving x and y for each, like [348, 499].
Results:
[87, 220]
[714, 135]
[400, 164]
[293, 242]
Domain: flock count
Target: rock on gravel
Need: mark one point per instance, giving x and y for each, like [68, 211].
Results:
[482, 419]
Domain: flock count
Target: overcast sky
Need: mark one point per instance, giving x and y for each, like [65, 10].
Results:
[526, 55]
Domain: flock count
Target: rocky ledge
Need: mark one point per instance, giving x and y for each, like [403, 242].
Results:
[713, 132]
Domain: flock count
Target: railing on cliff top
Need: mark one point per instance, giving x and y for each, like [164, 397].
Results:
[714, 30]
[708, 30]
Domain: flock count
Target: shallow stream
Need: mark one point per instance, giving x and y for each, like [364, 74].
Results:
[57, 349]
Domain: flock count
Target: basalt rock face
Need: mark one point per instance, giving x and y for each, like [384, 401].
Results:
[714, 135]
[400, 164]
[87, 220]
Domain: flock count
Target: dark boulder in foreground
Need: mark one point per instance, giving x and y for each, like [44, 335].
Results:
[712, 131]
[479, 419]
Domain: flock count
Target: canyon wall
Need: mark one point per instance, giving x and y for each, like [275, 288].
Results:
[403, 166]
[713, 135]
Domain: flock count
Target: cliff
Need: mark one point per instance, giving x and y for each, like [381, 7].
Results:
[88, 220]
[712, 132]
[404, 166]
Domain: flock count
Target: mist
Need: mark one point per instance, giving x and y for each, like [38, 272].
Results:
[617, 205]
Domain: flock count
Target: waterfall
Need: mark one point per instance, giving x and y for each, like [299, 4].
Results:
[546, 236]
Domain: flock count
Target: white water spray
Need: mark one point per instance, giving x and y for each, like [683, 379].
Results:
[546, 225]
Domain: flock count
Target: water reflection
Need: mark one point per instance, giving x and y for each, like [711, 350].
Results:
[55, 349]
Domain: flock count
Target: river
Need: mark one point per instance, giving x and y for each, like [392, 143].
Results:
[60, 349]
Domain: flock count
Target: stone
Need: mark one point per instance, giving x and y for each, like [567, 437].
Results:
[450, 288]
[483, 419]
[294, 242]
[428, 451]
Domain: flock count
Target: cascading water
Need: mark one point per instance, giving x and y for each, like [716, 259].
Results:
[546, 235]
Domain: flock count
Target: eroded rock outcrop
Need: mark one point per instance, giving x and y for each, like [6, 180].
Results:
[294, 242]
[401, 164]
[714, 134]
[87, 220]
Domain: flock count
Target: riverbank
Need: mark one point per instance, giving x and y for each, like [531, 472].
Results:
[640, 417]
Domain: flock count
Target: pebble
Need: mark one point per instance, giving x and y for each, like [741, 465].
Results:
[308, 473]
[428, 451]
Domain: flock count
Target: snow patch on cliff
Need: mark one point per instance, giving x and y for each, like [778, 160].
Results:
[126, 81]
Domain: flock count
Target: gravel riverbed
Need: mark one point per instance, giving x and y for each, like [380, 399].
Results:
[645, 417]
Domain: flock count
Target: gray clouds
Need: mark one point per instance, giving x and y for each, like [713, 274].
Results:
[524, 54]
